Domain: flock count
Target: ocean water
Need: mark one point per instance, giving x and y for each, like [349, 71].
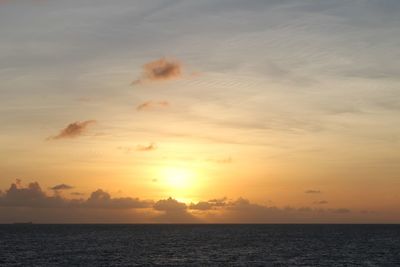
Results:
[199, 245]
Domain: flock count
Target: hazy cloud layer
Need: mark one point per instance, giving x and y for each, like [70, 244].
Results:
[160, 70]
[149, 105]
[74, 129]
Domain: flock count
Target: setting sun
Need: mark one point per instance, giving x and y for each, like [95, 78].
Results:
[177, 178]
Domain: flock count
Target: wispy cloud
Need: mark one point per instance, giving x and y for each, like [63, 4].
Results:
[152, 105]
[160, 70]
[321, 202]
[61, 187]
[312, 191]
[148, 147]
[74, 130]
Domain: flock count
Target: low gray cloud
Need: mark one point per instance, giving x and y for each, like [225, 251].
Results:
[30, 196]
[31, 202]
[74, 130]
[173, 211]
[34, 196]
[160, 70]
[149, 105]
[61, 187]
[102, 199]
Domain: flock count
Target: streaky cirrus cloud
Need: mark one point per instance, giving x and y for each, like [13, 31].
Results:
[162, 69]
[74, 130]
[148, 105]
[61, 187]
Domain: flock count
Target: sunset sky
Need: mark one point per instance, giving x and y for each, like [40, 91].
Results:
[200, 111]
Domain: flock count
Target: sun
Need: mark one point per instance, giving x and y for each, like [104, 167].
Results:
[178, 178]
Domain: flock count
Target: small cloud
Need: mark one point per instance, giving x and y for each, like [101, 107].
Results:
[61, 187]
[312, 191]
[322, 202]
[208, 205]
[74, 130]
[148, 147]
[77, 194]
[152, 105]
[160, 70]
[341, 210]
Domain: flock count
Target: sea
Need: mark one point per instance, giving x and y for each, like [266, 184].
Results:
[199, 245]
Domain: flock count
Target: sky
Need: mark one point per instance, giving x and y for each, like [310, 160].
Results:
[175, 111]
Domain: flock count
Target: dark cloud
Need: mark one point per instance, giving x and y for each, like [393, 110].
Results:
[312, 191]
[61, 187]
[321, 202]
[173, 212]
[32, 203]
[160, 70]
[243, 211]
[102, 199]
[34, 196]
[152, 105]
[148, 147]
[74, 129]
[30, 196]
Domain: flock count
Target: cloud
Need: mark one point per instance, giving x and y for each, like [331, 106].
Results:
[160, 70]
[30, 196]
[321, 202]
[152, 105]
[148, 147]
[32, 203]
[312, 191]
[173, 212]
[61, 187]
[77, 194]
[102, 199]
[34, 196]
[208, 205]
[74, 129]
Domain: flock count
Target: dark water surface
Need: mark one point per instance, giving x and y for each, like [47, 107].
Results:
[200, 245]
